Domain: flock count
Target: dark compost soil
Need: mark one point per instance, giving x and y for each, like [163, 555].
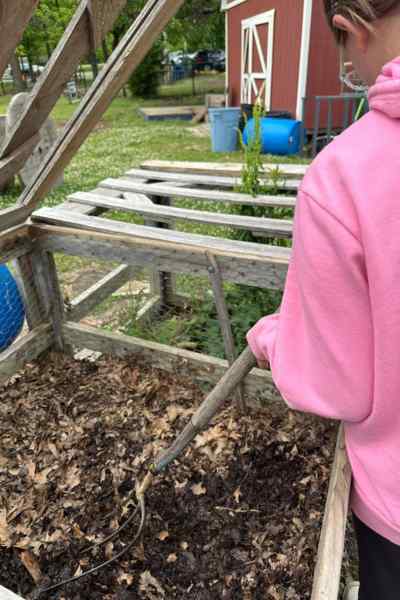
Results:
[238, 517]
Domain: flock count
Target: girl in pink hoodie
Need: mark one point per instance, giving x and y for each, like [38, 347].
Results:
[334, 347]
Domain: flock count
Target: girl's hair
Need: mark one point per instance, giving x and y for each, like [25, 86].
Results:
[358, 11]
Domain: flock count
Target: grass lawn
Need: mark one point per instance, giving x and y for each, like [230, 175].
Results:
[122, 139]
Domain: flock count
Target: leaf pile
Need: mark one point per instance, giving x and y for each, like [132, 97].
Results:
[238, 517]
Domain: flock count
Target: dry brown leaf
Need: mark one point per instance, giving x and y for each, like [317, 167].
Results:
[73, 476]
[30, 465]
[198, 489]
[41, 478]
[173, 412]
[4, 531]
[184, 545]
[139, 552]
[125, 578]
[163, 535]
[172, 558]
[237, 494]
[109, 550]
[149, 584]
[31, 565]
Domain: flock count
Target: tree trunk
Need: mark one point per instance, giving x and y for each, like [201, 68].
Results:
[93, 64]
[106, 53]
[16, 73]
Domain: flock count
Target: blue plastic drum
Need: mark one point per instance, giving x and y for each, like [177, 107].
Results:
[278, 136]
[12, 312]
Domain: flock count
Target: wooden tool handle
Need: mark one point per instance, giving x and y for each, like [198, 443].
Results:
[206, 411]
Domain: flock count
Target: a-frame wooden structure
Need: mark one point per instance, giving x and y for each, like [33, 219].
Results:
[32, 242]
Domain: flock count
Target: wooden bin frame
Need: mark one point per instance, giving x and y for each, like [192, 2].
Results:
[32, 245]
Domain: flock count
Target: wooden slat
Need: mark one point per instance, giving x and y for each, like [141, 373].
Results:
[14, 17]
[102, 15]
[268, 227]
[49, 292]
[73, 46]
[198, 366]
[202, 243]
[330, 551]
[10, 217]
[24, 350]
[116, 72]
[14, 243]
[223, 169]
[126, 185]
[83, 304]
[11, 164]
[204, 180]
[265, 266]
[35, 314]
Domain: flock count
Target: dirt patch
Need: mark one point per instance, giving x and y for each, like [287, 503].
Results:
[238, 517]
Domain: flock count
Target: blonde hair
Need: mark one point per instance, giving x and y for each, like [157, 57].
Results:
[358, 11]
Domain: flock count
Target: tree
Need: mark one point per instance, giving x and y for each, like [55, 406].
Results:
[197, 25]
[145, 81]
[46, 28]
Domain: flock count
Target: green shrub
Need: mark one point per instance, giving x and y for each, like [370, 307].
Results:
[145, 81]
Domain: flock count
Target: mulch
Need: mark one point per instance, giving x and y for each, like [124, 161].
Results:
[237, 517]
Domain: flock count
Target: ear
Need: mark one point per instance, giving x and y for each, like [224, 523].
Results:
[358, 31]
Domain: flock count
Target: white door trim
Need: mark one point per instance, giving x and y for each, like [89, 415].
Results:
[226, 5]
[249, 40]
[304, 56]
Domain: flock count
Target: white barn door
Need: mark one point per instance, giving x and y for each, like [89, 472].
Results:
[257, 54]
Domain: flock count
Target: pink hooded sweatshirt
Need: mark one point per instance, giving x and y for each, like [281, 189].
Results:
[334, 347]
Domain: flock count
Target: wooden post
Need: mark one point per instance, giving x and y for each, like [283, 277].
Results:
[331, 545]
[33, 306]
[47, 283]
[224, 321]
[162, 284]
[14, 18]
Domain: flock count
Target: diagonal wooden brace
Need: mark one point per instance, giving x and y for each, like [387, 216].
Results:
[224, 321]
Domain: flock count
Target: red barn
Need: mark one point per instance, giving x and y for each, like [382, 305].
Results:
[284, 50]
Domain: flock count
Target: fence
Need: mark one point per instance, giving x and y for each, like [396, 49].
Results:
[331, 116]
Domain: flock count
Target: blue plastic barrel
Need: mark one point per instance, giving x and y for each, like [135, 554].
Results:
[224, 128]
[12, 312]
[278, 136]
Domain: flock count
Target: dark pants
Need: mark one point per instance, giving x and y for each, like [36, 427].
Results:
[379, 563]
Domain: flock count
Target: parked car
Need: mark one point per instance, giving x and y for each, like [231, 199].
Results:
[209, 59]
[219, 60]
[179, 58]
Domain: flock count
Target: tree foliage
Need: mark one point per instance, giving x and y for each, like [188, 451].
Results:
[46, 28]
[145, 80]
[198, 25]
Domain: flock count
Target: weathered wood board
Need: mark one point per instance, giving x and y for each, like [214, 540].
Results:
[331, 546]
[169, 191]
[168, 214]
[198, 366]
[261, 266]
[169, 113]
[14, 17]
[220, 169]
[25, 349]
[89, 299]
[193, 179]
